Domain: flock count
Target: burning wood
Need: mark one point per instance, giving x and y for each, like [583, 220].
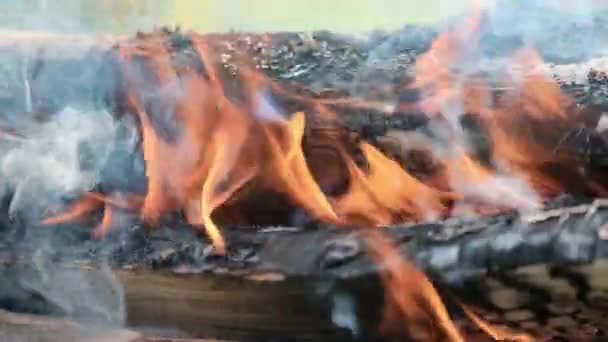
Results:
[225, 140]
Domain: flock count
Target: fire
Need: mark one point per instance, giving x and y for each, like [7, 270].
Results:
[497, 333]
[81, 207]
[412, 294]
[410, 297]
[90, 202]
[223, 146]
[435, 70]
[387, 191]
[223, 142]
[473, 180]
[526, 123]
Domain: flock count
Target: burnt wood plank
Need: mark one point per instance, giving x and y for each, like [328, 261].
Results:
[544, 272]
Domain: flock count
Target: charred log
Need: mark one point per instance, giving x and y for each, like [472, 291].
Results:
[540, 272]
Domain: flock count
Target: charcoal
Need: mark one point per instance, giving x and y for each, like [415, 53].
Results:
[598, 89]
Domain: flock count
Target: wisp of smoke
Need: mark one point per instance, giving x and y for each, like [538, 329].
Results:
[57, 158]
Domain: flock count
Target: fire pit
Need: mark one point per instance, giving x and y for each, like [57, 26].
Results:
[417, 185]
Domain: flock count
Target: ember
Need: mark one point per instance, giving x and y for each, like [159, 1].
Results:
[219, 142]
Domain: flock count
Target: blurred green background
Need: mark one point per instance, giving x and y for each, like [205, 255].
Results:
[126, 16]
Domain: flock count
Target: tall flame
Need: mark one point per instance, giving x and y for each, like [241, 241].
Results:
[224, 142]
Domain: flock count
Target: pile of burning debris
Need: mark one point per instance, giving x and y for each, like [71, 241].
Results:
[331, 188]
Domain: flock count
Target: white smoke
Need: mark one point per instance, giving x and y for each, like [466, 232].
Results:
[56, 158]
[53, 159]
[56, 138]
[561, 30]
[558, 29]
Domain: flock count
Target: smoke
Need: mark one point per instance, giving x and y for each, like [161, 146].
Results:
[93, 296]
[563, 31]
[49, 162]
[58, 140]
[55, 159]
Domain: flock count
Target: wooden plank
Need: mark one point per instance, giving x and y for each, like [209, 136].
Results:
[228, 307]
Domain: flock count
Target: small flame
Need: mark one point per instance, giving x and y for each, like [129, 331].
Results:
[103, 228]
[473, 180]
[89, 203]
[417, 302]
[290, 173]
[436, 73]
[80, 208]
[497, 333]
[386, 191]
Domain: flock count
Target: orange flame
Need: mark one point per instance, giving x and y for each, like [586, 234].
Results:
[525, 123]
[497, 333]
[225, 143]
[412, 292]
[77, 210]
[412, 297]
[386, 191]
[435, 74]
[223, 147]
[88, 203]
